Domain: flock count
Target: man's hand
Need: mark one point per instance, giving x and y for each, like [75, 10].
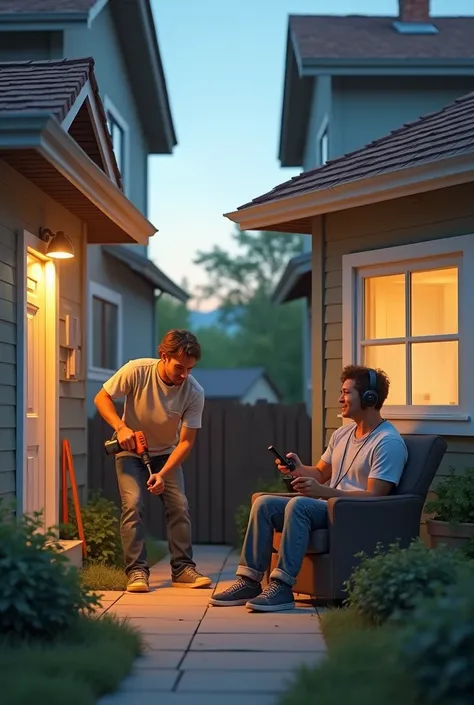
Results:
[125, 438]
[286, 471]
[156, 484]
[309, 487]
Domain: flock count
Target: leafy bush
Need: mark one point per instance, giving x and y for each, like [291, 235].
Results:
[438, 646]
[242, 512]
[101, 530]
[40, 591]
[455, 498]
[388, 584]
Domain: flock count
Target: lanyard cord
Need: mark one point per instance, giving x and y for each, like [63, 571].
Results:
[339, 480]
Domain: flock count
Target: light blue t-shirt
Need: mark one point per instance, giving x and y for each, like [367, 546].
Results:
[381, 454]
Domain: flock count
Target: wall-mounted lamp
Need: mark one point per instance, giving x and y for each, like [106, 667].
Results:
[59, 245]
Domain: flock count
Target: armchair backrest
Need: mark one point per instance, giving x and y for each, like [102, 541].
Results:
[425, 453]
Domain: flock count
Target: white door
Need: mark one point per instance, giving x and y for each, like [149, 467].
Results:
[35, 367]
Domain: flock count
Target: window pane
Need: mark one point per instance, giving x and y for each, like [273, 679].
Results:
[434, 302]
[384, 307]
[110, 335]
[97, 326]
[392, 360]
[435, 373]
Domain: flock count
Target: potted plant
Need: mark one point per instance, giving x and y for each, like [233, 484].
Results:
[452, 510]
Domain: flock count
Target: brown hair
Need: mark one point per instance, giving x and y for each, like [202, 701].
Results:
[360, 375]
[179, 341]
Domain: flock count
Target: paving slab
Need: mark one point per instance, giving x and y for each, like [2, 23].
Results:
[159, 659]
[178, 612]
[167, 642]
[249, 660]
[164, 626]
[152, 698]
[150, 681]
[257, 642]
[262, 624]
[242, 612]
[234, 681]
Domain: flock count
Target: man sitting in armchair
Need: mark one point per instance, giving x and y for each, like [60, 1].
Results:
[363, 459]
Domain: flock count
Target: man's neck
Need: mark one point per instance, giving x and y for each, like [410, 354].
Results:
[162, 374]
[367, 423]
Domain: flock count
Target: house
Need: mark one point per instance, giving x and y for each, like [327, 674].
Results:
[351, 80]
[246, 385]
[60, 193]
[392, 230]
[120, 36]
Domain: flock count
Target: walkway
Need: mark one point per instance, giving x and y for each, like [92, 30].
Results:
[212, 655]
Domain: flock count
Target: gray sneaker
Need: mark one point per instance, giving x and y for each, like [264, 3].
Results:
[237, 594]
[138, 581]
[190, 578]
[276, 597]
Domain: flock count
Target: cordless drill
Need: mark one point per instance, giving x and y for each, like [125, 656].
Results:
[113, 447]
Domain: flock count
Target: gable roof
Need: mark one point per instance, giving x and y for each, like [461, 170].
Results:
[231, 383]
[364, 46]
[434, 137]
[134, 24]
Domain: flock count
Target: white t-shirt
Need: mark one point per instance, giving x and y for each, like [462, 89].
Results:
[151, 406]
[381, 454]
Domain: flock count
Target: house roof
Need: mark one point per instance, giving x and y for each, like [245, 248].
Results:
[361, 45]
[445, 133]
[52, 87]
[53, 132]
[147, 270]
[231, 383]
[295, 282]
[136, 32]
[371, 38]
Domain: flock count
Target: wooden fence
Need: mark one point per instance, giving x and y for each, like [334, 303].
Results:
[229, 459]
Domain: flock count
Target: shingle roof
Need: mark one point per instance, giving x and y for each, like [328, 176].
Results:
[49, 86]
[37, 6]
[359, 37]
[230, 383]
[434, 136]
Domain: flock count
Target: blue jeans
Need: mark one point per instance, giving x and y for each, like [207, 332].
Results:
[132, 477]
[296, 518]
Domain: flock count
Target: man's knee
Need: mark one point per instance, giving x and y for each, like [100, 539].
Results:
[261, 503]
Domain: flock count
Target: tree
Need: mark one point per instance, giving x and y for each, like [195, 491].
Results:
[170, 313]
[267, 334]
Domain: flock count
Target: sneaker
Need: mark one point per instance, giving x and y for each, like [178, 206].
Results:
[237, 594]
[190, 578]
[138, 581]
[276, 596]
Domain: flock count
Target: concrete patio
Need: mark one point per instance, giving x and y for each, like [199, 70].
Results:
[212, 655]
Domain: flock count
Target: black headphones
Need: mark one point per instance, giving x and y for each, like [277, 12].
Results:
[370, 397]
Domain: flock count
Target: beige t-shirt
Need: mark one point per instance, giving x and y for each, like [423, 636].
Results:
[153, 407]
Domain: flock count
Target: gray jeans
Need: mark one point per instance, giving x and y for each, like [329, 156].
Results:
[132, 477]
[295, 517]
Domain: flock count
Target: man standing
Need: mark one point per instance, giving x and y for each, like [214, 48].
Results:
[163, 400]
[363, 459]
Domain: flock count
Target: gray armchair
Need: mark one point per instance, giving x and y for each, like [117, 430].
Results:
[359, 523]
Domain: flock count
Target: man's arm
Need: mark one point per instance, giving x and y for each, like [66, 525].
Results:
[187, 438]
[321, 472]
[106, 408]
[308, 487]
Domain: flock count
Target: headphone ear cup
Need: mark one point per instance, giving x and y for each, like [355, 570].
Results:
[370, 398]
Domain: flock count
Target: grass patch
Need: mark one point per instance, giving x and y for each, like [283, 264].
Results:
[98, 576]
[336, 624]
[77, 669]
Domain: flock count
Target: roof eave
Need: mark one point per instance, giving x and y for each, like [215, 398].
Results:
[386, 67]
[42, 132]
[294, 270]
[430, 176]
[38, 21]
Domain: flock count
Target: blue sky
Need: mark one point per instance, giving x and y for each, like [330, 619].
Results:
[224, 64]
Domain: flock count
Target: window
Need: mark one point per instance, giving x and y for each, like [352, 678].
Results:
[119, 134]
[105, 331]
[405, 310]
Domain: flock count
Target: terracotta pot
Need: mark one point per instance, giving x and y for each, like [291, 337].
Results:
[450, 535]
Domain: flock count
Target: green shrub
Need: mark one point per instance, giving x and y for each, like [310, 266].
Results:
[438, 646]
[40, 591]
[454, 500]
[101, 530]
[242, 512]
[388, 584]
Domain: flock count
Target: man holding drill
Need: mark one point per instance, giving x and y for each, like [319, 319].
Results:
[163, 400]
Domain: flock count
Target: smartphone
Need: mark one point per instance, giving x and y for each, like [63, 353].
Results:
[289, 462]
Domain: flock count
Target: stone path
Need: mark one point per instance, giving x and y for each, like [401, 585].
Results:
[211, 655]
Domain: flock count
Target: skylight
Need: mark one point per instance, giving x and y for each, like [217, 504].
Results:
[415, 27]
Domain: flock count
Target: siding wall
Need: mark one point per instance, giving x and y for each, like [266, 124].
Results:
[440, 214]
[25, 207]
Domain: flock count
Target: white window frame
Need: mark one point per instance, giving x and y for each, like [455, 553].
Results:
[109, 107]
[323, 133]
[443, 420]
[99, 374]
